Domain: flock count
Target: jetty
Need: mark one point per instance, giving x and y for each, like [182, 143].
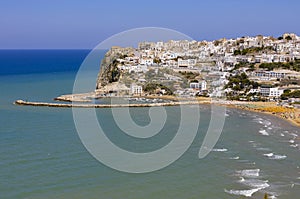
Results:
[81, 105]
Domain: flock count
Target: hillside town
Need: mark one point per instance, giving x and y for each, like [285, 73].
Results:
[256, 68]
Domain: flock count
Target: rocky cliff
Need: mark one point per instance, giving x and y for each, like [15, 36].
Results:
[109, 71]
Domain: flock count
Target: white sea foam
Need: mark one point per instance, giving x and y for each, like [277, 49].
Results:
[235, 158]
[282, 135]
[267, 123]
[292, 141]
[249, 173]
[269, 154]
[295, 135]
[257, 119]
[278, 157]
[255, 183]
[242, 179]
[247, 193]
[294, 145]
[272, 156]
[264, 132]
[220, 150]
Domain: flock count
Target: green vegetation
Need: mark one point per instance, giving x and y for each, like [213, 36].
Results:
[252, 50]
[154, 88]
[288, 94]
[288, 38]
[240, 82]
[114, 72]
[189, 75]
[289, 65]
[156, 60]
[123, 56]
[244, 65]
[240, 85]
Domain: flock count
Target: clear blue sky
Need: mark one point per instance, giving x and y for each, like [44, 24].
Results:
[83, 24]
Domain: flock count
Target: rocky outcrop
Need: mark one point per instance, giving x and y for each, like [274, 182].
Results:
[109, 71]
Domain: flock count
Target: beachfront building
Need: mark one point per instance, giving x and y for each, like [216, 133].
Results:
[275, 92]
[195, 85]
[204, 86]
[199, 86]
[268, 91]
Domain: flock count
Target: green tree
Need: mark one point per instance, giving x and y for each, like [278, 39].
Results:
[288, 38]
[156, 60]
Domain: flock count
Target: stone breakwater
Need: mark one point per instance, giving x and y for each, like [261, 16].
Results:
[75, 105]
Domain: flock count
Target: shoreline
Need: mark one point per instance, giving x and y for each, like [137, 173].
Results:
[283, 114]
[290, 115]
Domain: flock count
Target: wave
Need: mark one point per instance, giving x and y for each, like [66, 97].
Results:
[278, 157]
[295, 135]
[247, 193]
[235, 158]
[269, 154]
[272, 156]
[249, 172]
[267, 123]
[264, 132]
[220, 150]
[255, 183]
[292, 141]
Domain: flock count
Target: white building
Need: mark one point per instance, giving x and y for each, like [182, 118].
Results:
[146, 61]
[203, 86]
[136, 90]
[195, 85]
[189, 63]
[275, 92]
[271, 92]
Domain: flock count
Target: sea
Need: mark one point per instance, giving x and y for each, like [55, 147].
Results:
[42, 155]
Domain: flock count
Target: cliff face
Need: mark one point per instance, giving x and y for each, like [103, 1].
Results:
[109, 71]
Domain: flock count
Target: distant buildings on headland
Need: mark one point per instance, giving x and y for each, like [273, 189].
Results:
[271, 65]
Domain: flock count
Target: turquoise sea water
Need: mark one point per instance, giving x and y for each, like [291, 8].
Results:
[42, 155]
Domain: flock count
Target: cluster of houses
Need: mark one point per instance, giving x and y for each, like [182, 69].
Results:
[214, 60]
